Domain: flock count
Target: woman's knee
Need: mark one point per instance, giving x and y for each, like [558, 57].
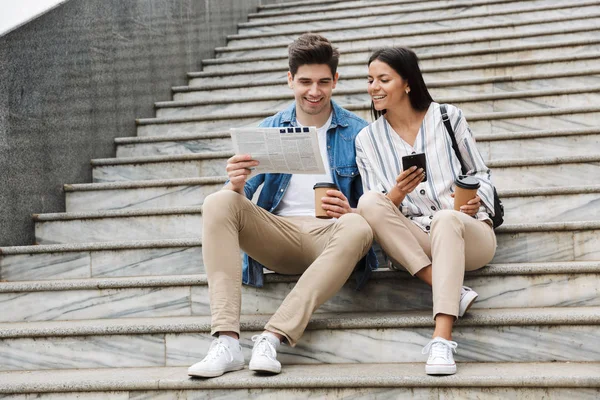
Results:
[445, 217]
[369, 205]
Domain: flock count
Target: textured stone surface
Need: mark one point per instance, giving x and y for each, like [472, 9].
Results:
[75, 78]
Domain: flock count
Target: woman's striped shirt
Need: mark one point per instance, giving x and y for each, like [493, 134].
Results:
[379, 152]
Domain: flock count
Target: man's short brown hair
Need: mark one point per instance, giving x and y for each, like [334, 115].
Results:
[311, 48]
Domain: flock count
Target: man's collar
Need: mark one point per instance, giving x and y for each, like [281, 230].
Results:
[338, 118]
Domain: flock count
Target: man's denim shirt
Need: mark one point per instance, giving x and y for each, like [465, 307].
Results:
[344, 128]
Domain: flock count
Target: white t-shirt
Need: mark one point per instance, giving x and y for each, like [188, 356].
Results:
[299, 198]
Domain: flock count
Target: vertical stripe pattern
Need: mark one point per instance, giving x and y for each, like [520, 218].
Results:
[379, 152]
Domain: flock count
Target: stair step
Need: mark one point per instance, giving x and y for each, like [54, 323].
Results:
[195, 165]
[484, 123]
[352, 77]
[448, 38]
[532, 144]
[400, 13]
[101, 260]
[349, 338]
[511, 285]
[510, 14]
[106, 226]
[533, 172]
[544, 48]
[149, 194]
[186, 144]
[575, 96]
[558, 380]
[186, 222]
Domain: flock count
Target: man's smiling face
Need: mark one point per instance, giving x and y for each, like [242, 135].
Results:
[313, 85]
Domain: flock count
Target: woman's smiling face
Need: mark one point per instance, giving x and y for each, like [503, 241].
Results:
[386, 87]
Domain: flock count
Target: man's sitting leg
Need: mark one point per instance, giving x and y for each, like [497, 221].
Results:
[335, 249]
[231, 221]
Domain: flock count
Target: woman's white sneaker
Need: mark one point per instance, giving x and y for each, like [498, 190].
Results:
[264, 354]
[441, 360]
[222, 357]
[467, 298]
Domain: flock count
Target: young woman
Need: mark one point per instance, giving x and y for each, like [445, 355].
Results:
[412, 215]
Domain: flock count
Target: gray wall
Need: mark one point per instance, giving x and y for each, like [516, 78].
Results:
[77, 77]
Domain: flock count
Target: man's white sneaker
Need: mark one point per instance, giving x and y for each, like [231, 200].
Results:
[467, 298]
[221, 358]
[441, 360]
[264, 355]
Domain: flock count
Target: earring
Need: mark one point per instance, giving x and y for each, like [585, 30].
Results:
[407, 90]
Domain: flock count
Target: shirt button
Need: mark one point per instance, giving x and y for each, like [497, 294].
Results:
[422, 191]
[433, 208]
[282, 190]
[428, 227]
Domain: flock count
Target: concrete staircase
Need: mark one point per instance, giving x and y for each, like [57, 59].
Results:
[112, 303]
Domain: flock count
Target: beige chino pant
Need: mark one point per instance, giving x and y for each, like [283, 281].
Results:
[457, 243]
[324, 252]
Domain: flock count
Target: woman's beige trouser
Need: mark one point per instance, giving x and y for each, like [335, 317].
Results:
[325, 253]
[457, 242]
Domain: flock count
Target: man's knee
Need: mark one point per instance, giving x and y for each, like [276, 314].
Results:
[357, 228]
[221, 204]
[369, 205]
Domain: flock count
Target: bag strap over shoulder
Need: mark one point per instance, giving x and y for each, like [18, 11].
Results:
[448, 125]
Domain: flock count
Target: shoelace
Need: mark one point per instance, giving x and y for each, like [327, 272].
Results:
[439, 347]
[263, 347]
[217, 347]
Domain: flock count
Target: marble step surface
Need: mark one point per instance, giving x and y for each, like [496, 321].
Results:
[516, 13]
[499, 146]
[436, 55]
[351, 76]
[511, 380]
[186, 223]
[140, 194]
[569, 170]
[567, 284]
[544, 335]
[575, 96]
[101, 260]
[484, 123]
[403, 13]
[126, 225]
[323, 9]
[424, 39]
[195, 165]
[568, 203]
[161, 146]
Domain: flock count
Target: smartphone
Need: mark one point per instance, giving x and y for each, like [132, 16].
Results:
[417, 160]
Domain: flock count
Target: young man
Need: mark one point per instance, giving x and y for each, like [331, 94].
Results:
[281, 231]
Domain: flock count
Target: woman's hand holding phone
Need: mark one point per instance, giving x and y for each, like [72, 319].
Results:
[406, 182]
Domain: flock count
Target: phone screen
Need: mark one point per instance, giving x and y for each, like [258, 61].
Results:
[417, 160]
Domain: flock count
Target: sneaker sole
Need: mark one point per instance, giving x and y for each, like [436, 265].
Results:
[263, 368]
[468, 305]
[440, 369]
[214, 374]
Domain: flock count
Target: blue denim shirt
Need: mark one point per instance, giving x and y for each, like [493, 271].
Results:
[342, 161]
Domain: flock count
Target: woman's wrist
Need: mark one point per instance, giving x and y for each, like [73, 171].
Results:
[396, 196]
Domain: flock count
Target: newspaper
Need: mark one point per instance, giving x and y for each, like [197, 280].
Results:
[292, 150]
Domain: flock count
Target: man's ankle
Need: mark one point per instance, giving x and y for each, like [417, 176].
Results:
[231, 334]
